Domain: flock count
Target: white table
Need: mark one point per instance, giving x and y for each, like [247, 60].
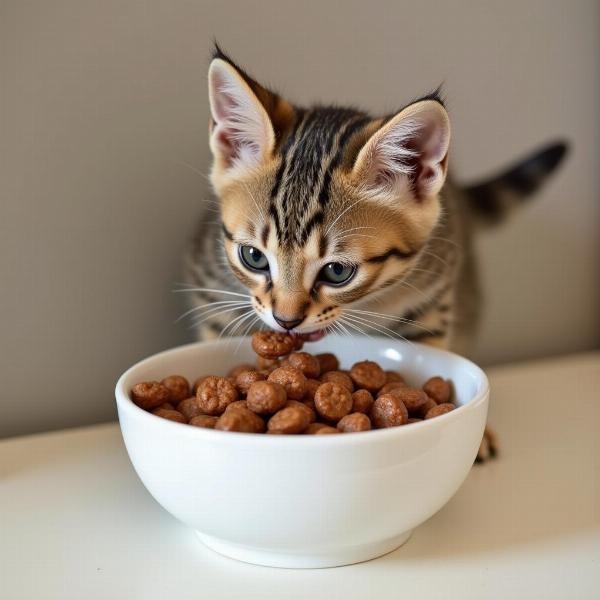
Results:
[75, 522]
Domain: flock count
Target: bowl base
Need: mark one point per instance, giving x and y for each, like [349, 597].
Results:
[287, 560]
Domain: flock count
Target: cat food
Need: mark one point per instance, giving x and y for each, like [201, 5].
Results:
[289, 391]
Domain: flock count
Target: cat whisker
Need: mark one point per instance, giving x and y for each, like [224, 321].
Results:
[212, 290]
[212, 304]
[410, 322]
[232, 322]
[341, 215]
[376, 327]
[355, 327]
[196, 321]
[262, 214]
[192, 168]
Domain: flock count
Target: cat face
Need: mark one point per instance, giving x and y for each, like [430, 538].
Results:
[320, 207]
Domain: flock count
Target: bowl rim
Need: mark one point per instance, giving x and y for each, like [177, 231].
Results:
[125, 404]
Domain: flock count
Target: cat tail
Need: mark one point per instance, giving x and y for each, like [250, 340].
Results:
[494, 199]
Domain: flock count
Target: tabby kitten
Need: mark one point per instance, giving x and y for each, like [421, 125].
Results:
[333, 220]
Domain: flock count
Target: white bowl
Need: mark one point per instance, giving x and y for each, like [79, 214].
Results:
[306, 501]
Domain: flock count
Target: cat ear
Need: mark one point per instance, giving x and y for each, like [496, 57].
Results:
[408, 155]
[241, 133]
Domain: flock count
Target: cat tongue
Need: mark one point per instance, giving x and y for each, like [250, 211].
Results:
[313, 336]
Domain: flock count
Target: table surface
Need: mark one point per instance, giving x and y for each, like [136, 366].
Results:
[75, 521]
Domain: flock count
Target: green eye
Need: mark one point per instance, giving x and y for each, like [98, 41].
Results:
[253, 258]
[336, 273]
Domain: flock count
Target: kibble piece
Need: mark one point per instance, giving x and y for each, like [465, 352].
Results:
[388, 411]
[267, 363]
[240, 419]
[393, 377]
[362, 401]
[412, 398]
[440, 409]
[189, 408]
[171, 415]
[423, 410]
[298, 342]
[338, 377]
[311, 388]
[292, 380]
[328, 362]
[320, 429]
[438, 389]
[215, 394]
[149, 394]
[235, 371]
[388, 387]
[178, 386]
[311, 412]
[272, 344]
[310, 404]
[304, 362]
[291, 419]
[197, 383]
[354, 422]
[413, 420]
[237, 404]
[333, 401]
[368, 375]
[266, 397]
[204, 421]
[168, 406]
[246, 378]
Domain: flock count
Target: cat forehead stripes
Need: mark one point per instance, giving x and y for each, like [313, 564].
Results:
[311, 152]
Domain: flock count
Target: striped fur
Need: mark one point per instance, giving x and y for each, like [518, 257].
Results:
[304, 205]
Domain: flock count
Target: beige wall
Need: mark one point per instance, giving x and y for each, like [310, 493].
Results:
[102, 102]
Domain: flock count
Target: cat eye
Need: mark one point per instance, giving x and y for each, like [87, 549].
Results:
[336, 273]
[253, 258]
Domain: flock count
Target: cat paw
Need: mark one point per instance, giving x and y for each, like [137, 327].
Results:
[488, 448]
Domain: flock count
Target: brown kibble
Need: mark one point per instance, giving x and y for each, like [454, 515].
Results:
[388, 387]
[292, 380]
[338, 377]
[178, 386]
[149, 394]
[167, 406]
[272, 344]
[291, 419]
[240, 419]
[413, 420]
[215, 394]
[368, 375]
[189, 408]
[333, 401]
[197, 383]
[440, 409]
[237, 404]
[362, 401]
[266, 397]
[393, 377]
[438, 389]
[328, 362]
[429, 404]
[267, 363]
[320, 429]
[235, 371]
[311, 388]
[298, 342]
[304, 362]
[171, 415]
[388, 411]
[413, 398]
[245, 379]
[310, 404]
[205, 421]
[311, 412]
[354, 422]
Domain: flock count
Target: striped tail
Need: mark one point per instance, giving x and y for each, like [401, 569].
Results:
[492, 200]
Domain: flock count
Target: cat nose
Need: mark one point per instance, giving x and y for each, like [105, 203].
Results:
[288, 324]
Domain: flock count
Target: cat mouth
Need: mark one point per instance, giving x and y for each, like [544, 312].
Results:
[313, 336]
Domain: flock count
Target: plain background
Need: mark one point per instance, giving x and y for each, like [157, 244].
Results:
[103, 104]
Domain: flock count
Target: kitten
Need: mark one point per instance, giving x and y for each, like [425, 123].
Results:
[333, 220]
